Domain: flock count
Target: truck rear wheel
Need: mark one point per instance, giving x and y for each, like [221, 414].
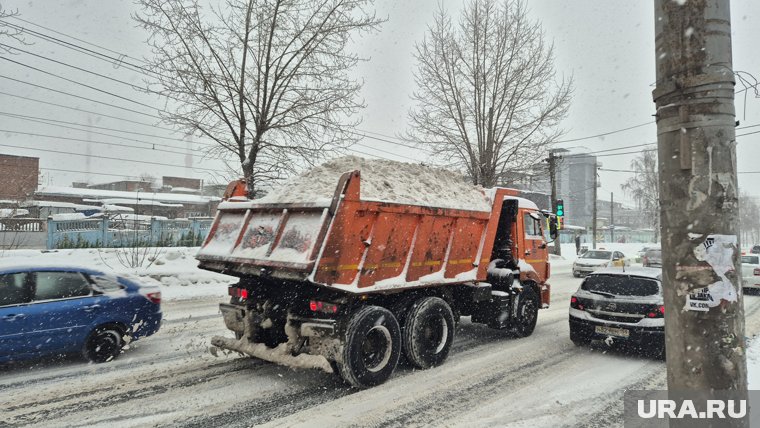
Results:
[428, 332]
[527, 312]
[371, 347]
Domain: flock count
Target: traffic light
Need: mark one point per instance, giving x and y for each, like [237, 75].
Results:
[560, 208]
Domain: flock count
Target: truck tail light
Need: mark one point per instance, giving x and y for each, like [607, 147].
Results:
[576, 304]
[328, 308]
[241, 293]
[154, 297]
[659, 312]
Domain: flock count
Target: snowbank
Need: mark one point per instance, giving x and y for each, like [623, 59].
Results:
[386, 181]
[753, 363]
[174, 267]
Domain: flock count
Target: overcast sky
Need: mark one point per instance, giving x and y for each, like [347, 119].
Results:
[607, 46]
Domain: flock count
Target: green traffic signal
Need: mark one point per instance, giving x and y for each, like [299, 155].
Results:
[560, 208]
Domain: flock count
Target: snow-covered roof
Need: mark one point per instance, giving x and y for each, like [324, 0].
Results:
[179, 198]
[68, 216]
[13, 212]
[56, 204]
[152, 203]
[138, 217]
[118, 208]
[183, 190]
[523, 203]
[571, 227]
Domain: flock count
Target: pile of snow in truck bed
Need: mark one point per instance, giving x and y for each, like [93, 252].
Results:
[386, 181]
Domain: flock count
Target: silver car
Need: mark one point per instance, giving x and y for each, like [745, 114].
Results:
[592, 260]
[619, 305]
[652, 258]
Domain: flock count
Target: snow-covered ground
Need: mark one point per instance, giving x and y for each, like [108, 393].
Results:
[174, 267]
[490, 378]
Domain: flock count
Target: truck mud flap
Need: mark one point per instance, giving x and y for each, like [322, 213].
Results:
[279, 355]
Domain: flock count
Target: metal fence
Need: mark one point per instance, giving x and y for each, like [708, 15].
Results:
[22, 224]
[107, 233]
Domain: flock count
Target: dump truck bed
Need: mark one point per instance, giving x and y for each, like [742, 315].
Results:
[352, 244]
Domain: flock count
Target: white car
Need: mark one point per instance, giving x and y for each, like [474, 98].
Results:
[751, 272]
[592, 260]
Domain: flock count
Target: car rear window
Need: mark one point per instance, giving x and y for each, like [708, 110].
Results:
[753, 260]
[621, 285]
[596, 255]
[654, 253]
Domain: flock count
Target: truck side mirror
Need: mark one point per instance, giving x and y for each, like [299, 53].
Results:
[553, 232]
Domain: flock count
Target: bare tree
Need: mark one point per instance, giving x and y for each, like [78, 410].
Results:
[488, 101]
[267, 80]
[644, 188]
[8, 30]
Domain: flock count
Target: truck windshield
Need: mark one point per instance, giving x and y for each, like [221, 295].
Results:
[620, 285]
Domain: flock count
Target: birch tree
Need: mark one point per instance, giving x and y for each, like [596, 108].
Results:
[266, 80]
[488, 100]
[644, 188]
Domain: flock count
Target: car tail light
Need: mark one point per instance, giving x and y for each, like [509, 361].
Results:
[644, 260]
[756, 272]
[576, 304]
[154, 297]
[241, 293]
[328, 308]
[659, 312]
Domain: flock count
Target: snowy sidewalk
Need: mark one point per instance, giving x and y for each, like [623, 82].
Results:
[174, 267]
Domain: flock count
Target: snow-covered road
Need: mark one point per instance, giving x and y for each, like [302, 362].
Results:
[489, 379]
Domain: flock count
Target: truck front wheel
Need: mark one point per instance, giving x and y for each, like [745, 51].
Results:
[428, 332]
[371, 347]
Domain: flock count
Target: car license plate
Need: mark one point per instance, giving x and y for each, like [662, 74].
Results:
[612, 331]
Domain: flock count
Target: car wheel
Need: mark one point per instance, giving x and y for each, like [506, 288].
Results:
[104, 344]
[527, 313]
[428, 332]
[371, 347]
[579, 339]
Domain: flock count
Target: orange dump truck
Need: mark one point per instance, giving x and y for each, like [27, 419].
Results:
[350, 285]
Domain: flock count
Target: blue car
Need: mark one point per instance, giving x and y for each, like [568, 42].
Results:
[64, 310]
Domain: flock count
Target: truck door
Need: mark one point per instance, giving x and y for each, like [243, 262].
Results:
[534, 251]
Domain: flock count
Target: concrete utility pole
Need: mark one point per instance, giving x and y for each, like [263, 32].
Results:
[593, 221]
[552, 160]
[704, 316]
[612, 217]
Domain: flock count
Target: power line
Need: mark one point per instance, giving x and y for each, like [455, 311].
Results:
[606, 150]
[77, 39]
[81, 49]
[80, 97]
[96, 142]
[75, 67]
[387, 152]
[86, 111]
[39, 70]
[106, 157]
[605, 133]
[43, 119]
[87, 172]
